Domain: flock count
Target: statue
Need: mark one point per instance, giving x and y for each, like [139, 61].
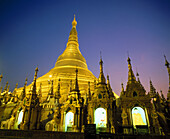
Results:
[54, 124]
[8, 124]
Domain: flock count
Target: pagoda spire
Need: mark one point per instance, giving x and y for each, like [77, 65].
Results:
[101, 79]
[109, 87]
[15, 88]
[23, 93]
[33, 90]
[76, 86]
[131, 76]
[73, 33]
[72, 57]
[32, 107]
[137, 75]
[122, 87]
[152, 91]
[168, 68]
[74, 23]
[35, 78]
[122, 91]
[108, 83]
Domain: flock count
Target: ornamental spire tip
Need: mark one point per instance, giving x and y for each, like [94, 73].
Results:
[74, 23]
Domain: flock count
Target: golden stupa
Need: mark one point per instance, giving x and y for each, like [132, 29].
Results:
[64, 70]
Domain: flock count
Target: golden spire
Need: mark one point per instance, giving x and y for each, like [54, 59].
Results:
[122, 91]
[35, 76]
[166, 62]
[72, 55]
[73, 33]
[131, 76]
[101, 76]
[74, 23]
[152, 90]
[168, 68]
[76, 86]
[16, 85]
[108, 84]
[122, 87]
[34, 84]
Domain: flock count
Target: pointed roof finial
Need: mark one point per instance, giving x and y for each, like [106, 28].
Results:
[36, 71]
[101, 62]
[152, 90]
[122, 87]
[122, 90]
[74, 23]
[137, 75]
[131, 76]
[73, 34]
[166, 62]
[76, 87]
[108, 82]
[168, 68]
[25, 82]
[129, 60]
[16, 85]
[101, 78]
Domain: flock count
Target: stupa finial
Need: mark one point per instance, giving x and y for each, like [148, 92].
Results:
[74, 23]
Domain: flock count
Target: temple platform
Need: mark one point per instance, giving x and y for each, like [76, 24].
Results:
[39, 134]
